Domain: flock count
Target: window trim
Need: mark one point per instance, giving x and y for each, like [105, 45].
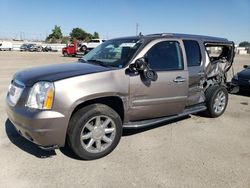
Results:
[181, 56]
[186, 53]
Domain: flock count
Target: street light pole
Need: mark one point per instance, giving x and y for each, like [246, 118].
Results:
[136, 28]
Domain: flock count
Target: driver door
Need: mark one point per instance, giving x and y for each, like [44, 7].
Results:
[168, 94]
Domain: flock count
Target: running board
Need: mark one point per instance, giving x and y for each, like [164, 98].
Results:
[150, 122]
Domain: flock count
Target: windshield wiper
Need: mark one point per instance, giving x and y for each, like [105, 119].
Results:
[97, 62]
[93, 61]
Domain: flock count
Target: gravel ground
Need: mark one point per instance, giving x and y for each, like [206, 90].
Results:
[191, 152]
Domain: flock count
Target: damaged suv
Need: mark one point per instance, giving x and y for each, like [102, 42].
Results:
[130, 82]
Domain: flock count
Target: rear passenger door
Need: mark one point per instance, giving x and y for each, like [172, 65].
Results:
[195, 69]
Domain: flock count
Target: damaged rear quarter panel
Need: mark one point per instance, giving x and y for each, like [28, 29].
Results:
[221, 65]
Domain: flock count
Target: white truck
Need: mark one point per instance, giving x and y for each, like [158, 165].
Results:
[91, 44]
[6, 46]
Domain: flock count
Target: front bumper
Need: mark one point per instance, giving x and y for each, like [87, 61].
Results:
[45, 128]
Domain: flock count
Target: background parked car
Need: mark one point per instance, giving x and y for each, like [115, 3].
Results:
[50, 49]
[91, 44]
[34, 48]
[242, 78]
[76, 49]
[6, 46]
[47, 49]
[24, 47]
[38, 48]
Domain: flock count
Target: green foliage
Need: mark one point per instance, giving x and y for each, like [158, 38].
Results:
[56, 35]
[89, 37]
[96, 35]
[244, 44]
[78, 33]
[65, 40]
[56, 32]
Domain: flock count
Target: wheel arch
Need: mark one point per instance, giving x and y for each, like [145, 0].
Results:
[114, 102]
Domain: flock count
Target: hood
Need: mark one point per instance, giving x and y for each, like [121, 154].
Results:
[57, 72]
[245, 74]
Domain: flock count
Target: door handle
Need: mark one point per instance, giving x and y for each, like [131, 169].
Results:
[179, 79]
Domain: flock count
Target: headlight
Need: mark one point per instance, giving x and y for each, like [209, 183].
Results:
[41, 95]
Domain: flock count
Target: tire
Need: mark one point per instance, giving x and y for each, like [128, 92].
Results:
[216, 101]
[65, 54]
[84, 48]
[89, 139]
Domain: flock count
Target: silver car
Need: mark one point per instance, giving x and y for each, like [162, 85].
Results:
[130, 82]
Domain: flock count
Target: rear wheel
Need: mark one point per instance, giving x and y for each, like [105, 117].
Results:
[216, 100]
[94, 131]
[84, 48]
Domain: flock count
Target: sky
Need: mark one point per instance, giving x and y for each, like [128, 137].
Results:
[34, 19]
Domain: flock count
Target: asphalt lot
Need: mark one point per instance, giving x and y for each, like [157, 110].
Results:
[192, 152]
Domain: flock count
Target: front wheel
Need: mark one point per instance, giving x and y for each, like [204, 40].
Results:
[94, 131]
[216, 100]
[65, 54]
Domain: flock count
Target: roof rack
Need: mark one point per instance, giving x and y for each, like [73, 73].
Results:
[189, 36]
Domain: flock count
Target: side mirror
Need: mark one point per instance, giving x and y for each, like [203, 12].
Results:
[143, 68]
[246, 66]
[151, 75]
[140, 64]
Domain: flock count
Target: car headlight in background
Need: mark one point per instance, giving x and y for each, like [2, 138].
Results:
[41, 95]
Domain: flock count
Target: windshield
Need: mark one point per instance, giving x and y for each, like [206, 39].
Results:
[115, 53]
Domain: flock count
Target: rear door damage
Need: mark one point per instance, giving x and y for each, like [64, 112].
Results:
[219, 59]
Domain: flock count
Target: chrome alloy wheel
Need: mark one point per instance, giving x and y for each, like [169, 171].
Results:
[98, 134]
[219, 102]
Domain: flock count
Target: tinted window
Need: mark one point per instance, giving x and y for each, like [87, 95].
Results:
[165, 56]
[193, 52]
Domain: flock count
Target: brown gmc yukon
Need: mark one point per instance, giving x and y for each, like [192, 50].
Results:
[130, 82]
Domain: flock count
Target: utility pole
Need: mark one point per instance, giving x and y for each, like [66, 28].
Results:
[136, 28]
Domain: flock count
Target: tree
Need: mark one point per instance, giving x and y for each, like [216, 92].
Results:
[78, 33]
[244, 44]
[55, 35]
[89, 37]
[96, 35]
[65, 40]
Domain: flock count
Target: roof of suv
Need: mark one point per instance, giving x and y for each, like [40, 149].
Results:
[182, 36]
